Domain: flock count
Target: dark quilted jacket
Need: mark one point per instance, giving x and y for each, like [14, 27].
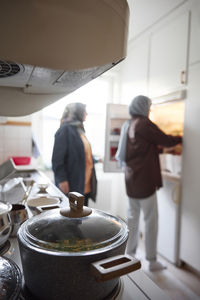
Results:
[68, 159]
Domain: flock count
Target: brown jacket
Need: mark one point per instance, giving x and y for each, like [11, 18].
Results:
[142, 172]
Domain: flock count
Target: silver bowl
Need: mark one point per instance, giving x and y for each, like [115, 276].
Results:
[18, 215]
[5, 222]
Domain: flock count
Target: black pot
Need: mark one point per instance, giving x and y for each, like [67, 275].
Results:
[75, 253]
[10, 279]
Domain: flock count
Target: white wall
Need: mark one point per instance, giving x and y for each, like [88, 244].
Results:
[194, 53]
[15, 137]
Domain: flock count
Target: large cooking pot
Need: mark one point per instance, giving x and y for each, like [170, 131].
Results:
[5, 222]
[10, 280]
[74, 253]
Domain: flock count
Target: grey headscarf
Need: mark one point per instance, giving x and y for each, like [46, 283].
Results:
[74, 114]
[140, 105]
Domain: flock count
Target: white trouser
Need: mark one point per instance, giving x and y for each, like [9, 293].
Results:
[150, 211]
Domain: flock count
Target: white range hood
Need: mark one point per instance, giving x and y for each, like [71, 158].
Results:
[50, 48]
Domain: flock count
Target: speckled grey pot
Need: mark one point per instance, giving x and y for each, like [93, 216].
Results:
[51, 276]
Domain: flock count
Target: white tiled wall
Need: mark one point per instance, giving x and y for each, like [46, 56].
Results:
[15, 141]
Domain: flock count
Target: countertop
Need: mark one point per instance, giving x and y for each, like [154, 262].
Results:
[171, 176]
[136, 285]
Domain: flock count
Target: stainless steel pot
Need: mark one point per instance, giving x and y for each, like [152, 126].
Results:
[74, 253]
[39, 203]
[18, 215]
[5, 222]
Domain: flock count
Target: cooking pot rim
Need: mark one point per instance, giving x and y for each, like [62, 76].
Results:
[114, 242]
[36, 248]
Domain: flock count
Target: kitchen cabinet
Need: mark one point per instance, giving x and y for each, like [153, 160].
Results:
[168, 57]
[169, 217]
[116, 115]
[190, 207]
[135, 71]
[151, 12]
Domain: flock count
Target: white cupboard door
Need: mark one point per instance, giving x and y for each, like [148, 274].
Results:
[168, 57]
[190, 207]
[135, 71]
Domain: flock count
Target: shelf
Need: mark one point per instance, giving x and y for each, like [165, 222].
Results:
[114, 138]
[16, 123]
[171, 176]
[119, 118]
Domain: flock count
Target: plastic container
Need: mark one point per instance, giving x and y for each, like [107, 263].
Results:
[21, 160]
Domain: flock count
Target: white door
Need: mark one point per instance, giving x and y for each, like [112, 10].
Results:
[168, 220]
[190, 208]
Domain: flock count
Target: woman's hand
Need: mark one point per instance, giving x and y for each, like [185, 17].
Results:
[64, 187]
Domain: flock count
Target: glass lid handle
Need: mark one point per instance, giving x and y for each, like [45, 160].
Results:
[76, 208]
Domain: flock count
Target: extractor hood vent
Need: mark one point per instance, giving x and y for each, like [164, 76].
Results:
[55, 47]
[8, 68]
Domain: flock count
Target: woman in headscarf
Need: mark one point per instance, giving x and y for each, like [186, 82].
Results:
[139, 155]
[72, 160]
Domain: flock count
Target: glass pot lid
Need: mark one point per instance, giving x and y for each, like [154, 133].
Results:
[75, 229]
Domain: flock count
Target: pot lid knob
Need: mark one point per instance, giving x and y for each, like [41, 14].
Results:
[76, 208]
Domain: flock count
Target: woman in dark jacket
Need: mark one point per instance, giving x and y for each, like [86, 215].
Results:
[72, 161]
[138, 152]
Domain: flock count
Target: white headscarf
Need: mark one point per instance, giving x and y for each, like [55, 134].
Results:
[140, 105]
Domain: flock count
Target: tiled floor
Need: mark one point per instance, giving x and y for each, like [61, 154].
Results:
[178, 283]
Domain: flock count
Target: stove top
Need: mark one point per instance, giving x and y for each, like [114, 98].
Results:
[134, 286]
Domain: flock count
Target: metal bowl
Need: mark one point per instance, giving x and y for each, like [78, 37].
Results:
[5, 222]
[38, 204]
[18, 215]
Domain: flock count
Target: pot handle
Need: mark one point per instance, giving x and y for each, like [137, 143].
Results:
[113, 267]
[76, 208]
